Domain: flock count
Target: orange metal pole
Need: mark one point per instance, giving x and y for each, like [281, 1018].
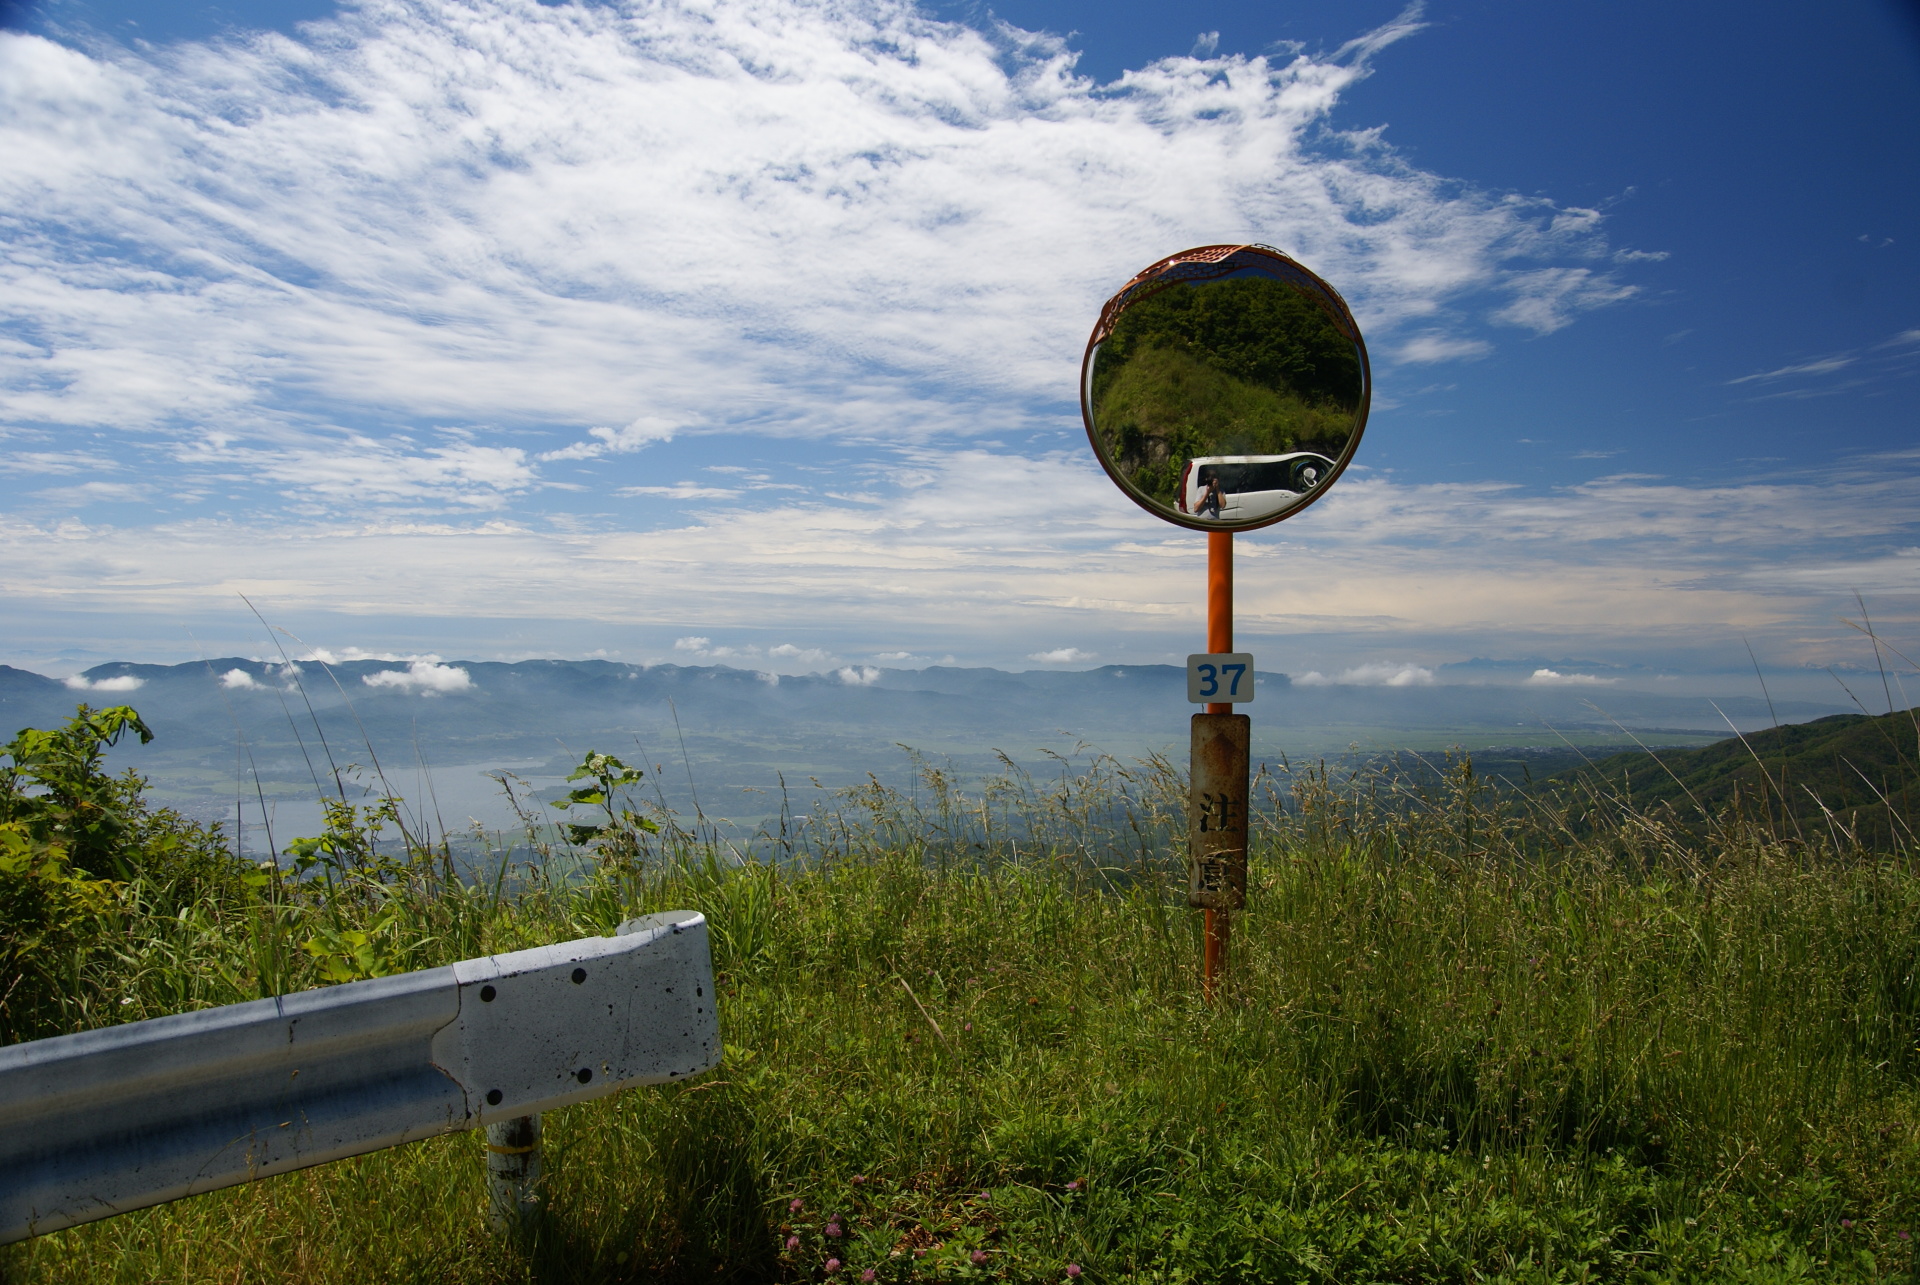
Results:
[1219, 926]
[1219, 923]
[1220, 600]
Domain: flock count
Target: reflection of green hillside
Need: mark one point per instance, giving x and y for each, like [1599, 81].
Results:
[1250, 366]
[1164, 407]
[1263, 331]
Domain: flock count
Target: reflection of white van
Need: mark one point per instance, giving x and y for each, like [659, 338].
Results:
[1252, 486]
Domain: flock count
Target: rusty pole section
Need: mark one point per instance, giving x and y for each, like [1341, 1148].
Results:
[1217, 808]
[1217, 831]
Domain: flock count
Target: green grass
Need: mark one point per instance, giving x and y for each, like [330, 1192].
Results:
[1464, 1040]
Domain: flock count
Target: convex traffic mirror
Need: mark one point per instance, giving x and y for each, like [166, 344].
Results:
[1225, 388]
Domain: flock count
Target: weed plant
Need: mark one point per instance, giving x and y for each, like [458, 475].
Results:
[1467, 1036]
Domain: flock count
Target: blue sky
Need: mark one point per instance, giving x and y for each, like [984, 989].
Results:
[747, 330]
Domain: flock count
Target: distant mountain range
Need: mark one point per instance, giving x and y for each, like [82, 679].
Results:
[727, 733]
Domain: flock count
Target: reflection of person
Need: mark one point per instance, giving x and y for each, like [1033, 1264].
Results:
[1211, 497]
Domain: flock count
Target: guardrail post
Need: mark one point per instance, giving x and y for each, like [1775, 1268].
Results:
[513, 1174]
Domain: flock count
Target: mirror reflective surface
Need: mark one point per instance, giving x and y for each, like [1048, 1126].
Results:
[1225, 388]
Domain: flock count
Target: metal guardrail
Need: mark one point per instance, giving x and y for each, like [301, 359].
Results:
[106, 1121]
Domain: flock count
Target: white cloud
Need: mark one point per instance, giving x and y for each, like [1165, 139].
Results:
[1003, 555]
[1894, 571]
[1682, 524]
[424, 676]
[1547, 299]
[1389, 676]
[642, 432]
[1890, 358]
[56, 462]
[360, 470]
[1062, 656]
[237, 678]
[1437, 347]
[352, 469]
[95, 493]
[118, 683]
[801, 655]
[1371, 675]
[346, 655]
[439, 234]
[703, 649]
[858, 676]
[682, 491]
[1552, 678]
[1820, 366]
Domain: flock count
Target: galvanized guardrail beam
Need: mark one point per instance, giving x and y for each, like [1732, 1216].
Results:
[107, 1121]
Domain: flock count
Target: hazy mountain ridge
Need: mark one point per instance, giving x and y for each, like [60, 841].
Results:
[728, 733]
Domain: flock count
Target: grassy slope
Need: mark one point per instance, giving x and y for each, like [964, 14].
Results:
[1850, 771]
[1442, 1060]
